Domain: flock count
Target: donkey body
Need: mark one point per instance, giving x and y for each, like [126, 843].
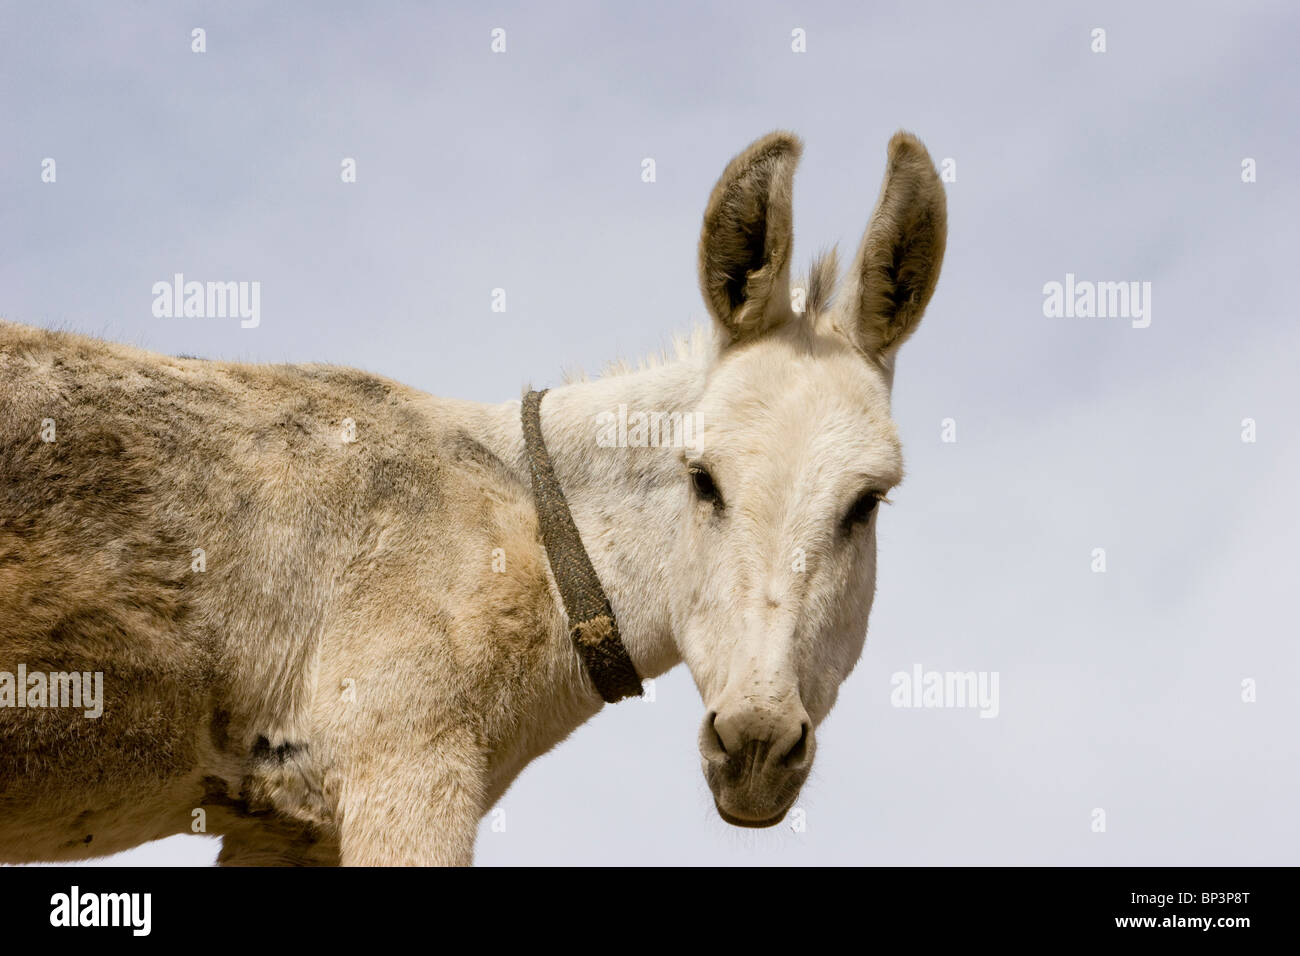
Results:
[327, 625]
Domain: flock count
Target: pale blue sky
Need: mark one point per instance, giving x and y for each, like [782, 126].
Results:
[522, 171]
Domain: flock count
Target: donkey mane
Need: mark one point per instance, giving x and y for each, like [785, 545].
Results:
[700, 343]
[697, 345]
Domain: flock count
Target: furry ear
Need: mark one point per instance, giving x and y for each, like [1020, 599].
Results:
[897, 266]
[746, 238]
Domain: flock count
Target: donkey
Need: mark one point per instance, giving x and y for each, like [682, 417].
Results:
[327, 612]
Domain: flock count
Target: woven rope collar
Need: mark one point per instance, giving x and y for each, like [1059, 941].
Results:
[591, 620]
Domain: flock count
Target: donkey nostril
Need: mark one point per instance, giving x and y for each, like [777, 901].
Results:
[717, 737]
[711, 743]
[799, 752]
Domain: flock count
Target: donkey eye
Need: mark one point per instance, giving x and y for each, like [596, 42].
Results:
[703, 485]
[862, 509]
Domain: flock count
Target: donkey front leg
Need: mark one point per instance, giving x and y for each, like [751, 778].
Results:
[413, 809]
[276, 841]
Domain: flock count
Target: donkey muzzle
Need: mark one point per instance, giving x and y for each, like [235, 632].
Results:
[755, 761]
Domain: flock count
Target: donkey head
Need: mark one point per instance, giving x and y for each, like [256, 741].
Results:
[778, 544]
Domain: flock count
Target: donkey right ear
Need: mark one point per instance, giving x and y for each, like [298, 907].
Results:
[746, 238]
[898, 264]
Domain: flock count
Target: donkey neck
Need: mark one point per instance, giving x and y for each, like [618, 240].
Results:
[625, 485]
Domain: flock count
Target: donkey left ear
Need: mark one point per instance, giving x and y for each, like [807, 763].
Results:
[746, 236]
[897, 266]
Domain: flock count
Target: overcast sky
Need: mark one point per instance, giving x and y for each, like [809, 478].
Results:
[522, 170]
